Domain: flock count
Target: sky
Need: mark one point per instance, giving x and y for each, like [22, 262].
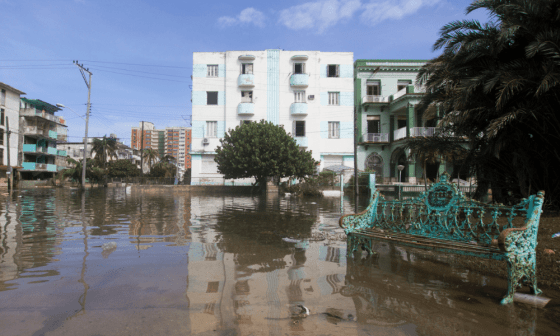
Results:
[140, 52]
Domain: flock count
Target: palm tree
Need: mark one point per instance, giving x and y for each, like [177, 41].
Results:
[497, 84]
[151, 156]
[103, 149]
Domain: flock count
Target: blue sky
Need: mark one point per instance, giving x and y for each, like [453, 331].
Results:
[140, 52]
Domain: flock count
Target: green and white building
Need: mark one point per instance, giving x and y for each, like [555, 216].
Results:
[386, 100]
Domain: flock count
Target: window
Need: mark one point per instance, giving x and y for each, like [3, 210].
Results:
[299, 68]
[1, 156]
[244, 122]
[334, 98]
[246, 96]
[299, 96]
[2, 117]
[212, 129]
[334, 129]
[1, 137]
[299, 128]
[373, 124]
[3, 97]
[209, 166]
[402, 84]
[211, 98]
[212, 70]
[247, 68]
[373, 88]
[213, 287]
[332, 70]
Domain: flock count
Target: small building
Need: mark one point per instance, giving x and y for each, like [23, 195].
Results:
[9, 117]
[38, 131]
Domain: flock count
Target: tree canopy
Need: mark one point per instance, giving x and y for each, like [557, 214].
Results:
[498, 84]
[261, 150]
[104, 149]
[93, 173]
[122, 168]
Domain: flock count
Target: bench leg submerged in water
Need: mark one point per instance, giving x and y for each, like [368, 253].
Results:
[522, 269]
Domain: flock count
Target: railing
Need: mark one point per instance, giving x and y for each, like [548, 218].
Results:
[61, 152]
[53, 134]
[246, 108]
[301, 141]
[28, 165]
[51, 167]
[32, 112]
[375, 99]
[246, 80]
[298, 108]
[29, 148]
[400, 133]
[299, 80]
[375, 137]
[399, 93]
[422, 131]
[52, 150]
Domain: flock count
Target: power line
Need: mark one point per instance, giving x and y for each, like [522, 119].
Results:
[121, 73]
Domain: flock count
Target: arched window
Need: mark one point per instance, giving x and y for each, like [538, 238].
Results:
[374, 162]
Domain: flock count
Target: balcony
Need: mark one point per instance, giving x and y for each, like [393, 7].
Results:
[51, 168]
[298, 109]
[61, 152]
[374, 99]
[28, 165]
[33, 131]
[29, 148]
[375, 137]
[246, 109]
[51, 150]
[246, 80]
[301, 141]
[53, 135]
[299, 80]
[400, 133]
[422, 131]
[33, 112]
[38, 166]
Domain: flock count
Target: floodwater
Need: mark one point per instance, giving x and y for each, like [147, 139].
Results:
[117, 262]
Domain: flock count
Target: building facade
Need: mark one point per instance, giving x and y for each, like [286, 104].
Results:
[173, 141]
[38, 137]
[386, 103]
[309, 93]
[9, 117]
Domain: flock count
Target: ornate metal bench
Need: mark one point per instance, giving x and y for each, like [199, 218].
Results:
[443, 219]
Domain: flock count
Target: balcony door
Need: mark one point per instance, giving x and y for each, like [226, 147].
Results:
[373, 124]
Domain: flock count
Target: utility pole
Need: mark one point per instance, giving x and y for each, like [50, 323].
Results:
[88, 84]
[142, 152]
[10, 172]
[355, 153]
[104, 162]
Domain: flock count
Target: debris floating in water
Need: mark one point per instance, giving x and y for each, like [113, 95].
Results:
[109, 246]
[290, 240]
[534, 300]
[556, 235]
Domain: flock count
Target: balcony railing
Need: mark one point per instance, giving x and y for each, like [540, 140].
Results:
[298, 108]
[400, 133]
[51, 167]
[29, 148]
[246, 108]
[52, 150]
[53, 134]
[399, 93]
[301, 141]
[375, 99]
[61, 152]
[375, 137]
[299, 80]
[32, 112]
[246, 80]
[422, 131]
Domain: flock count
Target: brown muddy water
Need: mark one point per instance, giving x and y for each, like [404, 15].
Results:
[113, 262]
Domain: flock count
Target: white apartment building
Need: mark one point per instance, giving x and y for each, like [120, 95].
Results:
[9, 116]
[309, 93]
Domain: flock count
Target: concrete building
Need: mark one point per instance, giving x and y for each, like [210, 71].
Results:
[386, 99]
[9, 116]
[38, 137]
[309, 93]
[75, 150]
[174, 141]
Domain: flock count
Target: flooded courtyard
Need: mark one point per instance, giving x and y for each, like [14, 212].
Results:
[117, 262]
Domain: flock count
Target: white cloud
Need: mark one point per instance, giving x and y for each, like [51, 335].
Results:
[247, 16]
[377, 11]
[323, 14]
[318, 15]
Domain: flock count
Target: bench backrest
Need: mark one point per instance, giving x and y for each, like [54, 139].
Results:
[444, 212]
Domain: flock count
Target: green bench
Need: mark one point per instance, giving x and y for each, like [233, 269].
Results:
[442, 219]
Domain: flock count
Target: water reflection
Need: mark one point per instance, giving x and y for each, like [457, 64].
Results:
[201, 264]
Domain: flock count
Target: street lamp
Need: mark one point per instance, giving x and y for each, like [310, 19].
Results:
[400, 168]
[84, 163]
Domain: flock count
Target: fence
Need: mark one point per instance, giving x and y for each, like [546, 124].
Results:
[403, 191]
[144, 180]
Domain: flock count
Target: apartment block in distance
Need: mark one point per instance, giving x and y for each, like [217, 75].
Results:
[386, 102]
[174, 141]
[309, 93]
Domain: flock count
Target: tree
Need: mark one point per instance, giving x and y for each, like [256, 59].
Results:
[261, 150]
[498, 84]
[150, 155]
[103, 149]
[93, 173]
[163, 169]
[122, 168]
[187, 176]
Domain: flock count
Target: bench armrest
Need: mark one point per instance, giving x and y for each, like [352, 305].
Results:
[353, 222]
[524, 240]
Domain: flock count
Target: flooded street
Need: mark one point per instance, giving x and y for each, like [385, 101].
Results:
[116, 262]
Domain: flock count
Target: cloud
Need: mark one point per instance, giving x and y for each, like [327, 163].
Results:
[322, 14]
[318, 15]
[378, 11]
[247, 16]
